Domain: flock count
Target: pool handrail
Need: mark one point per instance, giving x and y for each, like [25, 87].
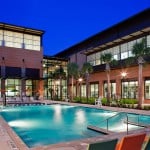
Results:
[125, 121]
[107, 120]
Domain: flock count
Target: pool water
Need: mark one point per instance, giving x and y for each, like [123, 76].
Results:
[51, 124]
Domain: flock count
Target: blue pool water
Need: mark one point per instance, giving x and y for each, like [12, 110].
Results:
[50, 124]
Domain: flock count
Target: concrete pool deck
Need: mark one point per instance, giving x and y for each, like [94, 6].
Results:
[10, 141]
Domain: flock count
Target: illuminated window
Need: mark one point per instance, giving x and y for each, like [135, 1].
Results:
[1, 37]
[129, 89]
[147, 89]
[13, 39]
[94, 90]
[148, 41]
[32, 42]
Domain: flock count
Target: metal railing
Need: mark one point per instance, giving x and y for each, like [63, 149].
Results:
[129, 119]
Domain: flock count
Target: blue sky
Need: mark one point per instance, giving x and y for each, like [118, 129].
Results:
[67, 22]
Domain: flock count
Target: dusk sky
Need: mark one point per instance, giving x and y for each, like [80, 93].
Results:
[67, 22]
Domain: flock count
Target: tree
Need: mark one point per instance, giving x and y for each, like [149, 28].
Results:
[73, 73]
[87, 68]
[107, 58]
[140, 50]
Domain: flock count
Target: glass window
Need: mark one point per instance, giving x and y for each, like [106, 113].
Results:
[13, 39]
[124, 55]
[32, 42]
[28, 87]
[91, 59]
[94, 90]
[148, 41]
[124, 51]
[129, 89]
[13, 87]
[97, 61]
[147, 89]
[116, 53]
[83, 90]
[112, 90]
[139, 40]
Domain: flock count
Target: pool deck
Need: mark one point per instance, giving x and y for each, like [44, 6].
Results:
[10, 141]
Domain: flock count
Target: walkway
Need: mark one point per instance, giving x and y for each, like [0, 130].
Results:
[10, 141]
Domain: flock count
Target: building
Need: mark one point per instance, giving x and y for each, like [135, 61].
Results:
[55, 77]
[25, 71]
[118, 40]
[21, 55]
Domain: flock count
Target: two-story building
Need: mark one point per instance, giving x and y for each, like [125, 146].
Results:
[117, 40]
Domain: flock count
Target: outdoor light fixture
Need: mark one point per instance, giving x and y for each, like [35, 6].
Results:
[123, 74]
[80, 79]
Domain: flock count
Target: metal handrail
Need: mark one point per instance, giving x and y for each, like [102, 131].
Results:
[127, 119]
[107, 120]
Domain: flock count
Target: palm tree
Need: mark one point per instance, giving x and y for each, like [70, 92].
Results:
[73, 73]
[140, 50]
[87, 68]
[107, 58]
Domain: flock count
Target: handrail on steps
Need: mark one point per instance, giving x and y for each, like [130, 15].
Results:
[126, 121]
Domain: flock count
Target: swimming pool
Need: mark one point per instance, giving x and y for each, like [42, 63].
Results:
[51, 124]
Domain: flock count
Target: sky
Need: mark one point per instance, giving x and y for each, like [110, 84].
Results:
[68, 22]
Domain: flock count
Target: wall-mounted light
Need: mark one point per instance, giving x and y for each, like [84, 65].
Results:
[123, 74]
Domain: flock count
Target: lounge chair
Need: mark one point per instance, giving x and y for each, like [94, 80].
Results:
[103, 145]
[131, 142]
[148, 145]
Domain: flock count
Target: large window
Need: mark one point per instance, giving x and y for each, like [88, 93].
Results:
[54, 88]
[148, 41]
[1, 37]
[124, 51]
[94, 90]
[29, 88]
[13, 39]
[147, 89]
[83, 90]
[16, 39]
[112, 89]
[121, 51]
[31, 42]
[129, 89]
[13, 87]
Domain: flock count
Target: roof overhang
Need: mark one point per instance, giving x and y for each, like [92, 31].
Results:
[20, 29]
[117, 41]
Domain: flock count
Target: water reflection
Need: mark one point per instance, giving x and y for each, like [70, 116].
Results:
[57, 113]
[80, 117]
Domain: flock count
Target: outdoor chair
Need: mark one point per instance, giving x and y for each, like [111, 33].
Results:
[131, 142]
[98, 101]
[103, 145]
[147, 147]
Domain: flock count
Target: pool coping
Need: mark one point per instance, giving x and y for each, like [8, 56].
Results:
[82, 144]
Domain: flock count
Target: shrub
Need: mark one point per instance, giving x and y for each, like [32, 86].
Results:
[146, 107]
[77, 100]
[104, 101]
[91, 100]
[128, 101]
